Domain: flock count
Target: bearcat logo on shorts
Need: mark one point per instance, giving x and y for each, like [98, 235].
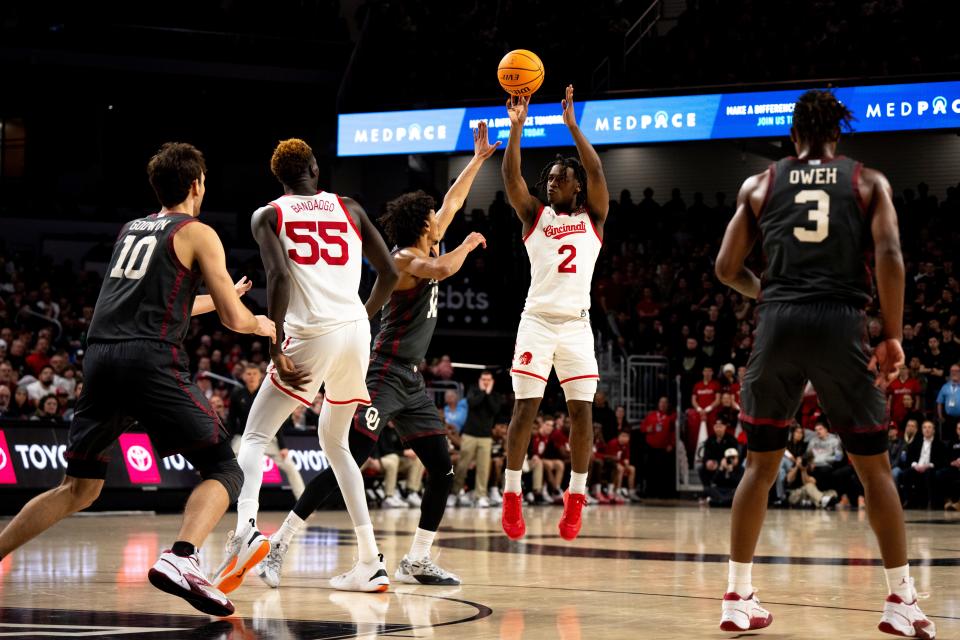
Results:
[525, 358]
[564, 230]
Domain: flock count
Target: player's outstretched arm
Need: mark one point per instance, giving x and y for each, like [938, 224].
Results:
[518, 194]
[438, 267]
[457, 195]
[204, 303]
[198, 242]
[598, 197]
[263, 225]
[375, 249]
[738, 241]
[888, 356]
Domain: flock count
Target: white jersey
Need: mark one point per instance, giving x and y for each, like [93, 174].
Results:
[563, 249]
[324, 257]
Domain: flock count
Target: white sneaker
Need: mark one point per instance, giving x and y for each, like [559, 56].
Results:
[424, 571]
[530, 498]
[183, 578]
[464, 500]
[271, 567]
[451, 501]
[483, 502]
[906, 620]
[414, 500]
[395, 502]
[743, 614]
[369, 577]
[591, 500]
[244, 550]
[496, 499]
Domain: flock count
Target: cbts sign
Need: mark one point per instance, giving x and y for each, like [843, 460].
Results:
[760, 114]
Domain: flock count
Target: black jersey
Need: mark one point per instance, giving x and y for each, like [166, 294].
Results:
[816, 233]
[407, 323]
[146, 294]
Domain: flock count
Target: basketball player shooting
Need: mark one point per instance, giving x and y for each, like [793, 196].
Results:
[818, 215]
[563, 239]
[137, 369]
[311, 244]
[397, 389]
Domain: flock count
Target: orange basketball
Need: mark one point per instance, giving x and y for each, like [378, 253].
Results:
[520, 72]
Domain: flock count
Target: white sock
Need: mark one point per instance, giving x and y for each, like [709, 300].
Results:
[246, 511]
[578, 483]
[511, 483]
[740, 578]
[289, 528]
[422, 541]
[898, 583]
[366, 543]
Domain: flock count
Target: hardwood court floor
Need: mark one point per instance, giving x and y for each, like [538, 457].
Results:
[636, 571]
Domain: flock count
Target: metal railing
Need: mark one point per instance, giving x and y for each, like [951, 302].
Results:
[644, 380]
[602, 78]
[438, 389]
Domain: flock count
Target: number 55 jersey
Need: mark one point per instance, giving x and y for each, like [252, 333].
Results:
[554, 329]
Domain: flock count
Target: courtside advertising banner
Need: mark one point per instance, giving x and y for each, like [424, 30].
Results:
[762, 114]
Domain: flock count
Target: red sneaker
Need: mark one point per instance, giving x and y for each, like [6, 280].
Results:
[511, 518]
[571, 519]
[601, 497]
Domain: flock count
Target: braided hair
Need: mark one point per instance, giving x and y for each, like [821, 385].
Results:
[578, 171]
[819, 118]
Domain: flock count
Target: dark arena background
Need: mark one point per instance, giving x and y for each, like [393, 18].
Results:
[683, 101]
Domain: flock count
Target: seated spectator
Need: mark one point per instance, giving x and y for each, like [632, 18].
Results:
[453, 443]
[724, 483]
[39, 357]
[949, 476]
[454, 409]
[908, 410]
[6, 398]
[548, 449]
[21, 407]
[792, 455]
[658, 430]
[604, 471]
[8, 377]
[903, 386]
[395, 459]
[498, 462]
[714, 450]
[827, 454]
[42, 386]
[48, 410]
[620, 447]
[604, 416]
[925, 456]
[803, 487]
[730, 410]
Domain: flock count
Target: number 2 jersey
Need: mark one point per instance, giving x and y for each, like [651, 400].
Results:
[563, 249]
[816, 233]
[324, 253]
[147, 294]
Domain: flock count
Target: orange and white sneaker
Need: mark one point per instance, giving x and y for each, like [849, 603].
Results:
[743, 614]
[245, 549]
[572, 519]
[906, 619]
[181, 576]
[511, 517]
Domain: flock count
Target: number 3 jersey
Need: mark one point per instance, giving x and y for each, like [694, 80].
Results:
[816, 233]
[324, 258]
[563, 250]
[147, 294]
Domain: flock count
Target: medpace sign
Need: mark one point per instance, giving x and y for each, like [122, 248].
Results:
[894, 107]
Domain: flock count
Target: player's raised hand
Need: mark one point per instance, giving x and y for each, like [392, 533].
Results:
[242, 286]
[266, 327]
[474, 240]
[481, 144]
[886, 361]
[569, 117]
[517, 109]
[289, 373]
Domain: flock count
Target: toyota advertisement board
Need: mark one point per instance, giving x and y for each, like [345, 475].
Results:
[758, 114]
[32, 457]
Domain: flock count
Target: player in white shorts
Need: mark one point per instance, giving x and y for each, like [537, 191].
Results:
[312, 244]
[563, 239]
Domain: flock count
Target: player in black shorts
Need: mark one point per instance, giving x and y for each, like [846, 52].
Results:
[819, 216]
[136, 369]
[397, 390]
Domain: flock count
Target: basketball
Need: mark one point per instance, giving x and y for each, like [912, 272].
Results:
[520, 72]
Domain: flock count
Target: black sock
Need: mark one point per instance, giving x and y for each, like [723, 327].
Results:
[183, 549]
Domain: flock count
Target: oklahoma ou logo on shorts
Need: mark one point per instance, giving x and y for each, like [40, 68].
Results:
[7, 475]
[139, 458]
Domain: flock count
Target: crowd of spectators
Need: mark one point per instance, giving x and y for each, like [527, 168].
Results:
[651, 296]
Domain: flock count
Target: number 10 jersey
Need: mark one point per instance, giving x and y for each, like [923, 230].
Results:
[563, 249]
[324, 256]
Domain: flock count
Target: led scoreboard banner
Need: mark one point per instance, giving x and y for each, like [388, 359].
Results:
[764, 114]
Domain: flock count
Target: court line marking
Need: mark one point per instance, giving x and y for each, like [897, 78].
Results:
[675, 595]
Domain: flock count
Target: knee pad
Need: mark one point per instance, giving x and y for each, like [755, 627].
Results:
[218, 463]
